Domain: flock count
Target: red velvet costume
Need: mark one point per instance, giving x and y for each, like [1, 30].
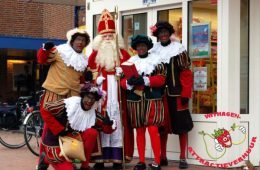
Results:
[178, 86]
[111, 144]
[64, 76]
[62, 112]
[147, 111]
[128, 132]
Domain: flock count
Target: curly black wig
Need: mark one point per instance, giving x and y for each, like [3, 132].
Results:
[162, 25]
[73, 37]
[141, 39]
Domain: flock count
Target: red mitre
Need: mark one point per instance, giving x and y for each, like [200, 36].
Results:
[106, 23]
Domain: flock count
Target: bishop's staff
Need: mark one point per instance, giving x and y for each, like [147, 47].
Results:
[119, 89]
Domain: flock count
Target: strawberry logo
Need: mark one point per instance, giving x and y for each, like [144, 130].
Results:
[223, 137]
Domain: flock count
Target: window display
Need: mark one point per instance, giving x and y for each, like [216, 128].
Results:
[203, 53]
[173, 16]
[133, 25]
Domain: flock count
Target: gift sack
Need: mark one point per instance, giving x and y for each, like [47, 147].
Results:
[72, 147]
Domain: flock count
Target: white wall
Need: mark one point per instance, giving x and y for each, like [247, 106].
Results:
[228, 93]
[254, 70]
[125, 6]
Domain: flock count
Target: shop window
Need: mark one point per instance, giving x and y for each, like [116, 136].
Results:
[203, 53]
[173, 16]
[133, 25]
[95, 24]
[244, 56]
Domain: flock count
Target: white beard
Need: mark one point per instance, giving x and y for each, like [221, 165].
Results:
[107, 55]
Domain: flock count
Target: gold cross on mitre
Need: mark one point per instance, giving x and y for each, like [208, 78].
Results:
[106, 16]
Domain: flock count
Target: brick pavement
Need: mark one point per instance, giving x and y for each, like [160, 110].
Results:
[23, 159]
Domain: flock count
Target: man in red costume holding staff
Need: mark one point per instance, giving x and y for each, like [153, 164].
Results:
[104, 62]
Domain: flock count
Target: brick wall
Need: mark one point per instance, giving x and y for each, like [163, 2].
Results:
[21, 18]
[57, 20]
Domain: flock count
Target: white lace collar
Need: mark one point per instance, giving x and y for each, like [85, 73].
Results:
[78, 118]
[145, 65]
[167, 52]
[78, 61]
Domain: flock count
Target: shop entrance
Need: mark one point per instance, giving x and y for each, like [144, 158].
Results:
[225, 65]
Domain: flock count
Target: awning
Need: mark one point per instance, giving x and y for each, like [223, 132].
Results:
[25, 42]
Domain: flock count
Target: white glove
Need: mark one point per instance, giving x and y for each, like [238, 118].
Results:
[146, 81]
[218, 147]
[242, 129]
[114, 125]
[100, 80]
[129, 87]
[119, 71]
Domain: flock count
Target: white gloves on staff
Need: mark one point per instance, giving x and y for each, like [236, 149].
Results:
[100, 80]
[119, 71]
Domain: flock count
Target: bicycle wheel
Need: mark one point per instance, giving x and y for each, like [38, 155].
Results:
[11, 135]
[32, 131]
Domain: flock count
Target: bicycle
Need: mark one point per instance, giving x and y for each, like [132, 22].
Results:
[11, 130]
[33, 126]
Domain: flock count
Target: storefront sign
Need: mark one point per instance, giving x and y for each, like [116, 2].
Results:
[145, 2]
[137, 26]
[200, 78]
[224, 139]
[200, 40]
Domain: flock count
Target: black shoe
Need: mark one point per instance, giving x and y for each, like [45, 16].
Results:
[183, 164]
[154, 167]
[42, 165]
[117, 166]
[164, 162]
[140, 166]
[99, 166]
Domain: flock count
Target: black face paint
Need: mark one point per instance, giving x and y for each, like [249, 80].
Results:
[144, 55]
[164, 44]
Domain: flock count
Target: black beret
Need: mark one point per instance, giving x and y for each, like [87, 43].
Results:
[141, 39]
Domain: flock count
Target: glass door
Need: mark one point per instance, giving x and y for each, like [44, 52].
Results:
[174, 17]
[132, 25]
[203, 25]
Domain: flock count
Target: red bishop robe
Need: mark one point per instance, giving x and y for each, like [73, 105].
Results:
[128, 131]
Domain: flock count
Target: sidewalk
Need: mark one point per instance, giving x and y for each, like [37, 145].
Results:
[23, 159]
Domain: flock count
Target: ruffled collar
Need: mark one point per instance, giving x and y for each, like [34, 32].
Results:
[79, 119]
[167, 52]
[145, 65]
[78, 61]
